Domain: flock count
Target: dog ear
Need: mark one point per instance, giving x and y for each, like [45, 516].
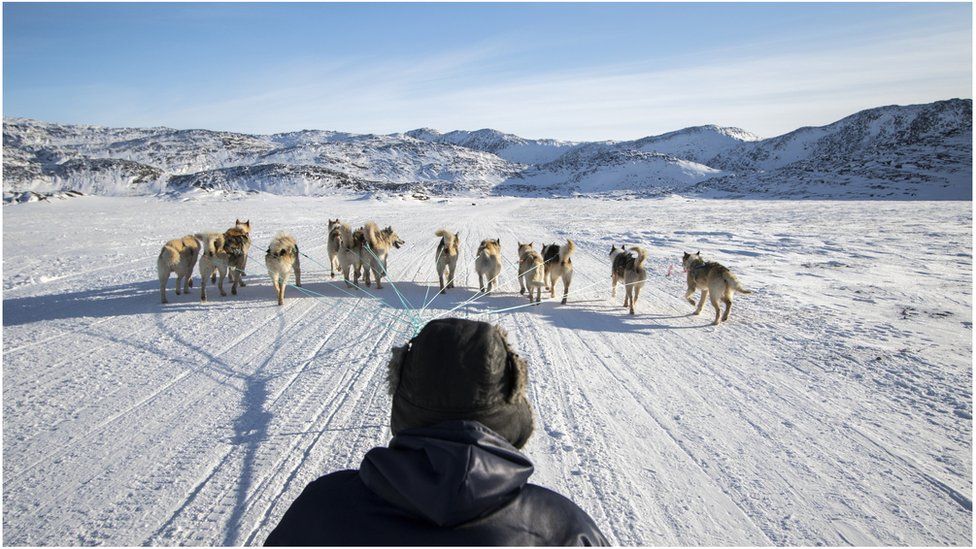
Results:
[698, 252]
[395, 367]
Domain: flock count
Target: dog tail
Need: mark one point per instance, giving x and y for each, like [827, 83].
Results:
[370, 230]
[446, 235]
[283, 243]
[641, 255]
[734, 283]
[566, 250]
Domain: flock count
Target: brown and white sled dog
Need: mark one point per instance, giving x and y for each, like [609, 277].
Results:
[335, 245]
[213, 261]
[177, 256]
[558, 266]
[236, 244]
[488, 264]
[715, 282]
[531, 273]
[446, 260]
[281, 259]
[628, 265]
[376, 249]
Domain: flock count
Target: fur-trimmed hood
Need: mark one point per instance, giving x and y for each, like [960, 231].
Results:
[457, 369]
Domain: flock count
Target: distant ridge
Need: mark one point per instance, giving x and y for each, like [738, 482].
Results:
[891, 152]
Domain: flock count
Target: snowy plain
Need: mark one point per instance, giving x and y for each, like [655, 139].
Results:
[834, 408]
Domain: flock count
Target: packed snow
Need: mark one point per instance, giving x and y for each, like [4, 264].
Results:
[835, 407]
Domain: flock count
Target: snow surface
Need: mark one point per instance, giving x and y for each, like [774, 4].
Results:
[834, 408]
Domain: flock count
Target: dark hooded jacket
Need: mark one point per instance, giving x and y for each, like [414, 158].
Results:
[454, 483]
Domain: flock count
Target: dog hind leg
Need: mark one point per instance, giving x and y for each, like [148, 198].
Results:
[718, 309]
[701, 301]
[567, 280]
[727, 299]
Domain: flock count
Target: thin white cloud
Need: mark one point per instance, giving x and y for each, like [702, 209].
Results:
[767, 93]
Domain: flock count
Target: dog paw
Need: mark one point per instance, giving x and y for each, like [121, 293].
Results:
[563, 301]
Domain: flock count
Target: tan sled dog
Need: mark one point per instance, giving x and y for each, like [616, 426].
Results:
[349, 255]
[446, 260]
[488, 264]
[531, 273]
[177, 256]
[281, 259]
[213, 261]
[628, 265]
[376, 249]
[715, 282]
[558, 266]
[335, 245]
[236, 244]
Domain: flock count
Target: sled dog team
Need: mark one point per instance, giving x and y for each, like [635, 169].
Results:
[363, 253]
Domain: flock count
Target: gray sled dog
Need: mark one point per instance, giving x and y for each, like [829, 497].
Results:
[236, 244]
[335, 244]
[558, 266]
[246, 227]
[531, 274]
[488, 264]
[213, 261]
[446, 260]
[628, 265]
[177, 256]
[281, 259]
[715, 282]
[376, 249]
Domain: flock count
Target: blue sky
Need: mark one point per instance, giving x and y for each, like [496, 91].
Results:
[568, 71]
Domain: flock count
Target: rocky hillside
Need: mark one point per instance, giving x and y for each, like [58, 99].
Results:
[915, 151]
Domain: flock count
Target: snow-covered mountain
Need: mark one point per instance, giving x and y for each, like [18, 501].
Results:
[915, 151]
[505, 145]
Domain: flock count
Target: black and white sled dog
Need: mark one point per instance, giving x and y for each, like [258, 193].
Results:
[177, 256]
[628, 265]
[715, 282]
[281, 259]
[559, 266]
[376, 246]
[531, 274]
[446, 259]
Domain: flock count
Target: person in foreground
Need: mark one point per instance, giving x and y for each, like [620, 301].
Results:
[452, 475]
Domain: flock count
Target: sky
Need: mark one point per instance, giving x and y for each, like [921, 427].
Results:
[563, 71]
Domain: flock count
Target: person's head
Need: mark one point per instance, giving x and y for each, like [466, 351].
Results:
[457, 369]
